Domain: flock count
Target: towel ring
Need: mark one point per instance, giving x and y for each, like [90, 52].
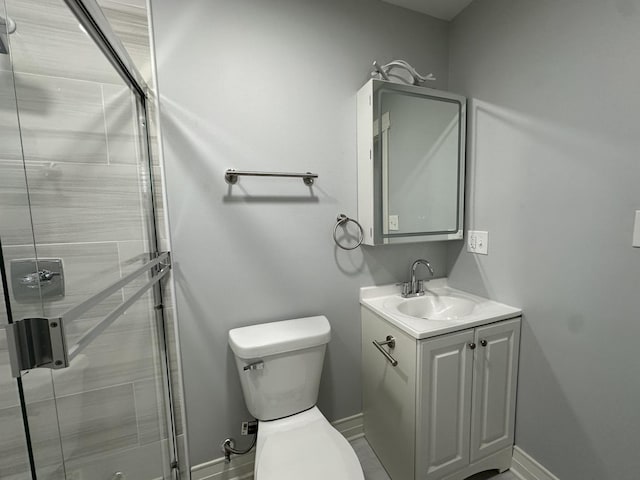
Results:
[343, 220]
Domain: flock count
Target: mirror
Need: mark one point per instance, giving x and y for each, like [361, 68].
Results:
[410, 163]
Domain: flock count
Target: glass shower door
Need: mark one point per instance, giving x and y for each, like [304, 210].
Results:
[16, 456]
[75, 187]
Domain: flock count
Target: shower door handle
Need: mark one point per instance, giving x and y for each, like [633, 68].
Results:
[41, 343]
[35, 279]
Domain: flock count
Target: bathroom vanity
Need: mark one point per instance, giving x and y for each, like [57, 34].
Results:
[446, 409]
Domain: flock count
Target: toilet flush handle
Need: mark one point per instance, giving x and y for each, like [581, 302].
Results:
[259, 365]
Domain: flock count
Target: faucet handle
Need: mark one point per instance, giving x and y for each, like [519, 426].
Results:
[420, 286]
[406, 288]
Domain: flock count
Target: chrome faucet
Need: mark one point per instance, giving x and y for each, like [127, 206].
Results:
[414, 288]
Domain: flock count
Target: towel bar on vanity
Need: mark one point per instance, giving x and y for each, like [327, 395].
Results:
[392, 344]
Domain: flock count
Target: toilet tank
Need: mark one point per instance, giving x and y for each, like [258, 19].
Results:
[280, 364]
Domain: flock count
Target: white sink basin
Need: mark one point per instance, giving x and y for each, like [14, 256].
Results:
[441, 310]
[437, 307]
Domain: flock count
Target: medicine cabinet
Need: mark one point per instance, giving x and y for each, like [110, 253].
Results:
[411, 155]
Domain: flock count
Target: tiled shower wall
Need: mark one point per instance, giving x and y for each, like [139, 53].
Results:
[86, 185]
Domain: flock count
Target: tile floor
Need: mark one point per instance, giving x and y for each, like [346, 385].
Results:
[373, 469]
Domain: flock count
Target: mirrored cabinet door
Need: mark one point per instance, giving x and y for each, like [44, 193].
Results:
[410, 163]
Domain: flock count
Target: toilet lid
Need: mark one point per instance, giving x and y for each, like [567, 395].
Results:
[315, 451]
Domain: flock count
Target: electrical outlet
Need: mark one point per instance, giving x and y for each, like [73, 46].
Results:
[478, 242]
[249, 428]
[636, 230]
[393, 222]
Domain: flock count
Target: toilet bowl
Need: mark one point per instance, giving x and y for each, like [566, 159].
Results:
[280, 364]
[304, 446]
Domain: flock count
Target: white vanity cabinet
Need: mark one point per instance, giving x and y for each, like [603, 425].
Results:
[446, 411]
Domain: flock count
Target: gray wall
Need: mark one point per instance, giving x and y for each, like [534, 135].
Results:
[553, 176]
[270, 85]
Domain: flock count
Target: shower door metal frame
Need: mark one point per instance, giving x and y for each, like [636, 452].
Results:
[21, 396]
[92, 18]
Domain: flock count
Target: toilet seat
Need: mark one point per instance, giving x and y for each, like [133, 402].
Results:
[304, 446]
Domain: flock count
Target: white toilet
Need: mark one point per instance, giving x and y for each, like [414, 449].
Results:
[280, 365]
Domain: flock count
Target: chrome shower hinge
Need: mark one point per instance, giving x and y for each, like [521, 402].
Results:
[36, 343]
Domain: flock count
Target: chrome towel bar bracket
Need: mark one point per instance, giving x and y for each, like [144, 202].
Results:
[231, 175]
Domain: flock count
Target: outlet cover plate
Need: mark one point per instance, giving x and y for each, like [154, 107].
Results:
[636, 230]
[478, 242]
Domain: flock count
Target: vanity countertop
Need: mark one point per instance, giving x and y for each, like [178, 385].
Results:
[387, 302]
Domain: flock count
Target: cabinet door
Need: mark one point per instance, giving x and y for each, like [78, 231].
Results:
[494, 387]
[389, 396]
[444, 405]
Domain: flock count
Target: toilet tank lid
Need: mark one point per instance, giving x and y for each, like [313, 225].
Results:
[278, 337]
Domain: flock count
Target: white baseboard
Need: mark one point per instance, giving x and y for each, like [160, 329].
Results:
[526, 467]
[350, 427]
[523, 465]
[241, 466]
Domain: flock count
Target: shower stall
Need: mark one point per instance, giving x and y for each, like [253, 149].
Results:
[88, 369]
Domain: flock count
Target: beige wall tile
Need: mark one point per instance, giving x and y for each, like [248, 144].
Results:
[49, 41]
[15, 461]
[71, 203]
[10, 146]
[139, 463]
[91, 422]
[61, 120]
[15, 216]
[129, 22]
[150, 411]
[120, 115]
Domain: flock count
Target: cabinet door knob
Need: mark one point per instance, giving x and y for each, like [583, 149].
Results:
[472, 346]
[483, 342]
